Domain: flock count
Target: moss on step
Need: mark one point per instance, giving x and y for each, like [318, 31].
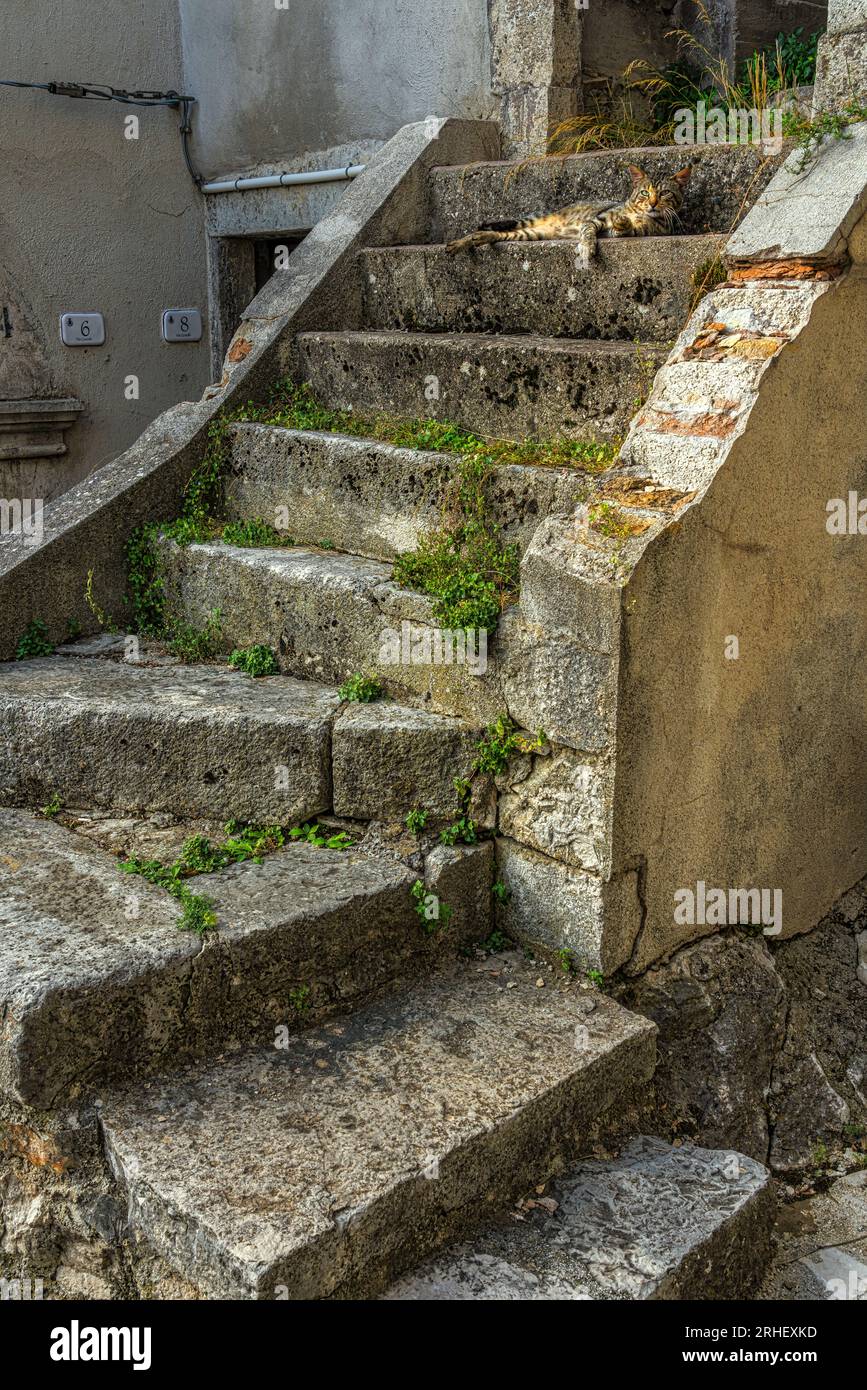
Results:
[465, 566]
[191, 644]
[295, 407]
[614, 524]
[252, 534]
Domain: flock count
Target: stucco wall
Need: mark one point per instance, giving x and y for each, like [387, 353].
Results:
[751, 772]
[90, 220]
[323, 73]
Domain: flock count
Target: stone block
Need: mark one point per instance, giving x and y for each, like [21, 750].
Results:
[562, 908]
[562, 809]
[388, 759]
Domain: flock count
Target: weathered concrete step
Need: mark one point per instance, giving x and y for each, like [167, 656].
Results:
[634, 289]
[725, 181]
[508, 387]
[201, 741]
[327, 1169]
[327, 616]
[196, 740]
[98, 985]
[374, 499]
[654, 1223]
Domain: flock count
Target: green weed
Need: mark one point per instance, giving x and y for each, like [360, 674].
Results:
[315, 834]
[104, 620]
[295, 407]
[34, 641]
[462, 832]
[198, 911]
[433, 914]
[255, 661]
[362, 689]
[810, 133]
[254, 534]
[496, 943]
[299, 998]
[191, 644]
[499, 742]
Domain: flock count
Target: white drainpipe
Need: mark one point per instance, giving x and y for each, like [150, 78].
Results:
[286, 180]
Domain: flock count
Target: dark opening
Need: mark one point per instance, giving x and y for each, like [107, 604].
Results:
[266, 250]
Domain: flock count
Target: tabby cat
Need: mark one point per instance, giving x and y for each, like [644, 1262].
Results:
[650, 210]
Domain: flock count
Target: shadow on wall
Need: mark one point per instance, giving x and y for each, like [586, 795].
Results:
[616, 33]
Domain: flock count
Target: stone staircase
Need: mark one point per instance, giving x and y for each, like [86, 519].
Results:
[412, 1095]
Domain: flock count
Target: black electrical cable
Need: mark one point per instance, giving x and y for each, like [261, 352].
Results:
[99, 92]
[86, 91]
[186, 131]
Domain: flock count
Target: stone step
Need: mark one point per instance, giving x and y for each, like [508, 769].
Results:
[204, 741]
[98, 985]
[655, 1223]
[326, 1169]
[634, 289]
[327, 616]
[374, 499]
[330, 614]
[502, 386]
[726, 180]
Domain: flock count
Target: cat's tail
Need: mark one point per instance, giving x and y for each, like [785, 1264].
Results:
[494, 231]
[483, 237]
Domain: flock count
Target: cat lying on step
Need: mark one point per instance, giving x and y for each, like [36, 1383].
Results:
[652, 209]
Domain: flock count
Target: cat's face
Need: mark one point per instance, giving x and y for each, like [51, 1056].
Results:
[666, 193]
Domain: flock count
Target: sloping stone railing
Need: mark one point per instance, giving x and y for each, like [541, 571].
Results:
[741, 747]
[88, 528]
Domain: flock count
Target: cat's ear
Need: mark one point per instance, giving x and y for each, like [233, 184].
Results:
[637, 175]
[682, 176]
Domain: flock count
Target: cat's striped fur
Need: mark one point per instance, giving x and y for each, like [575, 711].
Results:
[652, 209]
